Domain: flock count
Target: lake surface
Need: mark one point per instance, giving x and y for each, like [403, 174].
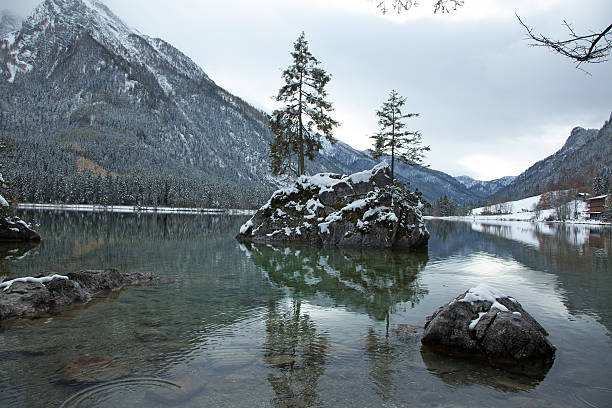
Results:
[275, 326]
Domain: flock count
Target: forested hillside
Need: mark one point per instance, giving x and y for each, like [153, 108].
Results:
[586, 153]
[99, 113]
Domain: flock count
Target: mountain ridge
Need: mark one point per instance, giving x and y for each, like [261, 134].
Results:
[84, 96]
[485, 189]
[585, 152]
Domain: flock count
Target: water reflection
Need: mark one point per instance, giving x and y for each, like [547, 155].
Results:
[381, 354]
[373, 282]
[579, 256]
[141, 331]
[312, 329]
[457, 372]
[13, 251]
[297, 351]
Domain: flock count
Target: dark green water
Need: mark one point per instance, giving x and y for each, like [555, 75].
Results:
[248, 326]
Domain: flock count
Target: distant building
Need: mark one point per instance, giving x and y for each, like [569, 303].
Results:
[596, 206]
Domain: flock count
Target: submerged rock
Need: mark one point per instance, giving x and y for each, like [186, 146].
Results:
[13, 229]
[32, 297]
[364, 209]
[91, 369]
[484, 322]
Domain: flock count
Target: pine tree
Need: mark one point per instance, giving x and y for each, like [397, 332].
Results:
[298, 125]
[392, 139]
[607, 212]
[601, 182]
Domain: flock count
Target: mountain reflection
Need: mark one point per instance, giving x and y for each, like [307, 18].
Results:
[373, 282]
[579, 256]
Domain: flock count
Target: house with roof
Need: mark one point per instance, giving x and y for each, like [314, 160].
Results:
[596, 206]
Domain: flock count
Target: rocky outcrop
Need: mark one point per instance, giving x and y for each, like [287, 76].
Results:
[364, 209]
[13, 229]
[483, 322]
[33, 297]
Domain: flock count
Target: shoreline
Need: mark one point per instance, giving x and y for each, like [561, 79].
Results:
[469, 218]
[132, 209]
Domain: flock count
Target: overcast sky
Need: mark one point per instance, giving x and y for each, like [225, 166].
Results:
[490, 105]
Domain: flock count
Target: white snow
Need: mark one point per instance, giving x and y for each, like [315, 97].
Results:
[483, 292]
[377, 210]
[474, 322]
[12, 71]
[598, 197]
[6, 285]
[355, 205]
[245, 227]
[499, 306]
[3, 202]
[524, 210]
[132, 209]
[326, 181]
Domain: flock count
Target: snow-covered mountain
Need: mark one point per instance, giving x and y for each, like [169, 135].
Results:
[81, 86]
[9, 22]
[585, 152]
[484, 189]
[83, 95]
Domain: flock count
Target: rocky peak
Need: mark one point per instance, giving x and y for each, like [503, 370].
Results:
[578, 138]
[55, 26]
[9, 22]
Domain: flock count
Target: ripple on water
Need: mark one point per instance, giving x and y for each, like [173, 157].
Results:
[117, 393]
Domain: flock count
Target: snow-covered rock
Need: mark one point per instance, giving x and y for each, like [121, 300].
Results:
[32, 297]
[484, 322]
[13, 229]
[363, 209]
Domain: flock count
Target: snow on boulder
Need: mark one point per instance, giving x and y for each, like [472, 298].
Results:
[364, 209]
[37, 296]
[484, 322]
[13, 229]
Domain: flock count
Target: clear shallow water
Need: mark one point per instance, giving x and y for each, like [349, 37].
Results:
[245, 326]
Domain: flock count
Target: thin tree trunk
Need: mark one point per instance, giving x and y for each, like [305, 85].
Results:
[393, 146]
[301, 169]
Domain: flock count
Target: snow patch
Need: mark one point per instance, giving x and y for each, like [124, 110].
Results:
[483, 293]
[6, 285]
[474, 322]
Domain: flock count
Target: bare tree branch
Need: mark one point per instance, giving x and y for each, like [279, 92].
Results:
[398, 6]
[591, 48]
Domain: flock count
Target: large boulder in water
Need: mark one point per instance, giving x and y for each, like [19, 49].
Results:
[13, 229]
[484, 322]
[364, 209]
[33, 297]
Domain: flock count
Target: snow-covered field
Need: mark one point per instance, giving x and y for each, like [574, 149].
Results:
[524, 210]
[132, 209]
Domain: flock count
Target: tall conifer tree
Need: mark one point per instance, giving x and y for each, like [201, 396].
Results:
[392, 139]
[301, 123]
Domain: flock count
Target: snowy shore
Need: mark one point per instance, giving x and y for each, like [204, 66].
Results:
[131, 209]
[524, 211]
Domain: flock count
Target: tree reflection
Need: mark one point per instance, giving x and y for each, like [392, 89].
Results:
[297, 351]
[373, 282]
[12, 251]
[381, 355]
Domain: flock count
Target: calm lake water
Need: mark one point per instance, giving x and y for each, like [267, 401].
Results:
[275, 326]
